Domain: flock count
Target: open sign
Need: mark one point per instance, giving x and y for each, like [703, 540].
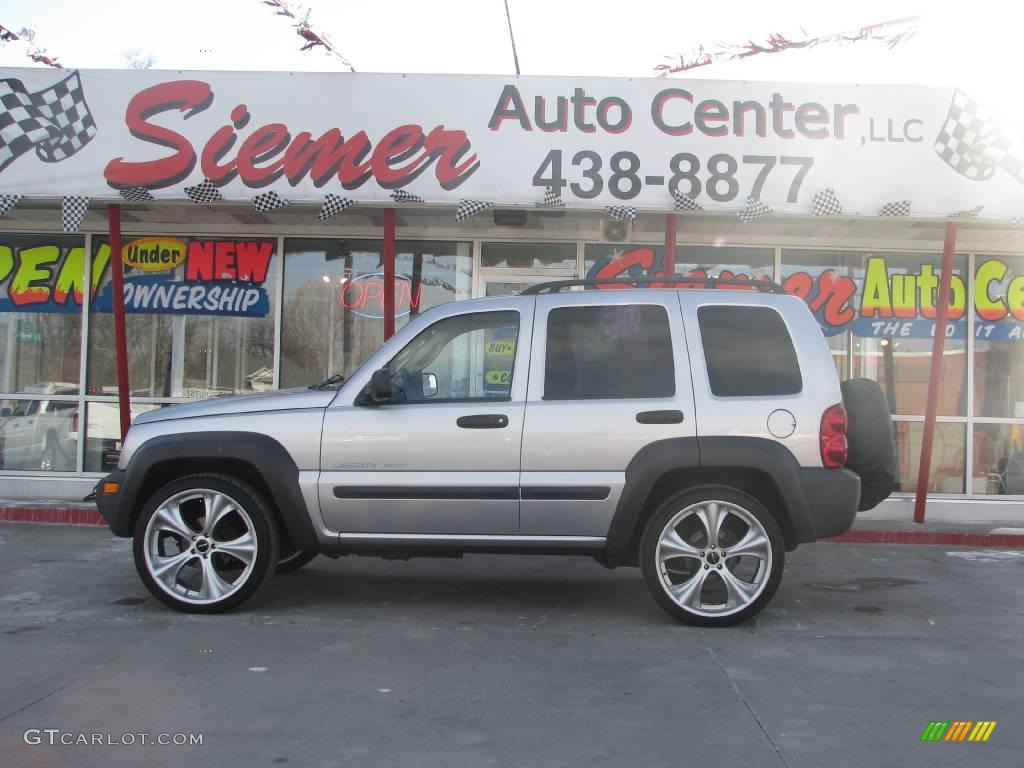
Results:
[364, 295]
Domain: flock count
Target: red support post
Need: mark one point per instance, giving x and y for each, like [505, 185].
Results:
[389, 273]
[120, 331]
[668, 263]
[935, 376]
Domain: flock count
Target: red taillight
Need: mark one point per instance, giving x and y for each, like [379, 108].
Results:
[833, 437]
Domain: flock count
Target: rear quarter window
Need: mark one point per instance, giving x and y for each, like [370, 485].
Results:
[748, 351]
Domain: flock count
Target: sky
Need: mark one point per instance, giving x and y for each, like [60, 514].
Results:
[972, 45]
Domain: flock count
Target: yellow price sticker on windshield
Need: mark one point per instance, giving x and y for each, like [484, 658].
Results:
[501, 348]
[498, 377]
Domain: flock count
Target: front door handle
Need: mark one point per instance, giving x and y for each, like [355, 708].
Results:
[660, 417]
[483, 421]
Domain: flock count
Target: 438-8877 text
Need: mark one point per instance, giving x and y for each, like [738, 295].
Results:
[717, 177]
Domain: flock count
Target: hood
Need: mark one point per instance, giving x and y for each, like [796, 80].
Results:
[274, 400]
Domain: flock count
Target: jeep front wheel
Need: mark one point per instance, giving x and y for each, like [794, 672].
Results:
[292, 559]
[712, 556]
[205, 543]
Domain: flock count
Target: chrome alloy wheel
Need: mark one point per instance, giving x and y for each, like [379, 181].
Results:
[200, 546]
[714, 558]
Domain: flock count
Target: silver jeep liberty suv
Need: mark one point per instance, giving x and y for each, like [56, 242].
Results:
[698, 431]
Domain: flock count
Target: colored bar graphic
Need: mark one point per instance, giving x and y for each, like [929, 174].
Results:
[935, 731]
[959, 730]
[982, 730]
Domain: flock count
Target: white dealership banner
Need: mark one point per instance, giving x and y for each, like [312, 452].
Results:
[593, 142]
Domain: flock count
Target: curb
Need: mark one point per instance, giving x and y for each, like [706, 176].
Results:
[52, 515]
[944, 538]
[84, 515]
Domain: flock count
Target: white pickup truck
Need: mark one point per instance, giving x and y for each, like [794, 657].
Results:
[43, 433]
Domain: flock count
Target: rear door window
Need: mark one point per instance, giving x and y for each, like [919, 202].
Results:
[748, 351]
[617, 351]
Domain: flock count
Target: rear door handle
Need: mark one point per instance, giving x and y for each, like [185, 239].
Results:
[483, 421]
[660, 417]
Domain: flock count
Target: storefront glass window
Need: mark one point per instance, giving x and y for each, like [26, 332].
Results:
[948, 456]
[998, 459]
[999, 336]
[103, 434]
[40, 434]
[528, 255]
[333, 306]
[805, 273]
[880, 308]
[622, 260]
[200, 316]
[41, 284]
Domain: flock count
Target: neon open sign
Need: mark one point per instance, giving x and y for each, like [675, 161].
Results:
[364, 295]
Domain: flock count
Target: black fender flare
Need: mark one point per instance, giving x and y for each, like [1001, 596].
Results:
[655, 460]
[266, 455]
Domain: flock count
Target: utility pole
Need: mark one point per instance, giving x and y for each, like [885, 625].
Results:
[512, 37]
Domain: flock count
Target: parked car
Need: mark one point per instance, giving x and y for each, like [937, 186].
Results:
[698, 434]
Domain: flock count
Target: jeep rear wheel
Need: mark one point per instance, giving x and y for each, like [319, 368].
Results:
[712, 556]
[205, 543]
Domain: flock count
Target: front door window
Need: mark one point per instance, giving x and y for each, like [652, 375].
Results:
[465, 357]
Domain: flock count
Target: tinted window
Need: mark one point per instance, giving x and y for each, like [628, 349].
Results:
[617, 351]
[748, 351]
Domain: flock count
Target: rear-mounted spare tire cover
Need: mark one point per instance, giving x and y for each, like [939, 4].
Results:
[872, 452]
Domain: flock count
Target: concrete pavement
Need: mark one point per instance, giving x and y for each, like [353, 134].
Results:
[510, 661]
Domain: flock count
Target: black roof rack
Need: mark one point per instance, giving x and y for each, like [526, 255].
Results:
[554, 286]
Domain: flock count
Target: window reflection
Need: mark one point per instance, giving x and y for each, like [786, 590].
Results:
[41, 280]
[199, 328]
[948, 456]
[998, 459]
[333, 307]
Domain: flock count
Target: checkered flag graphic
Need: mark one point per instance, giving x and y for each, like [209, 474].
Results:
[204, 192]
[826, 203]
[72, 211]
[897, 208]
[970, 214]
[552, 199]
[136, 195]
[333, 205]
[401, 196]
[467, 209]
[7, 202]
[268, 201]
[973, 143]
[685, 202]
[55, 121]
[754, 210]
[622, 213]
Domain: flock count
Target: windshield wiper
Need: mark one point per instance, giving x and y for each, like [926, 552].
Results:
[331, 382]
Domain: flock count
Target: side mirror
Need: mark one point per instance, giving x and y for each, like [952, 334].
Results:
[378, 390]
[429, 385]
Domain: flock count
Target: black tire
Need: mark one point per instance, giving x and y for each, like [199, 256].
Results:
[261, 524]
[290, 560]
[872, 451]
[772, 567]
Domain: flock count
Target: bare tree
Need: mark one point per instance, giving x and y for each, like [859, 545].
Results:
[138, 60]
